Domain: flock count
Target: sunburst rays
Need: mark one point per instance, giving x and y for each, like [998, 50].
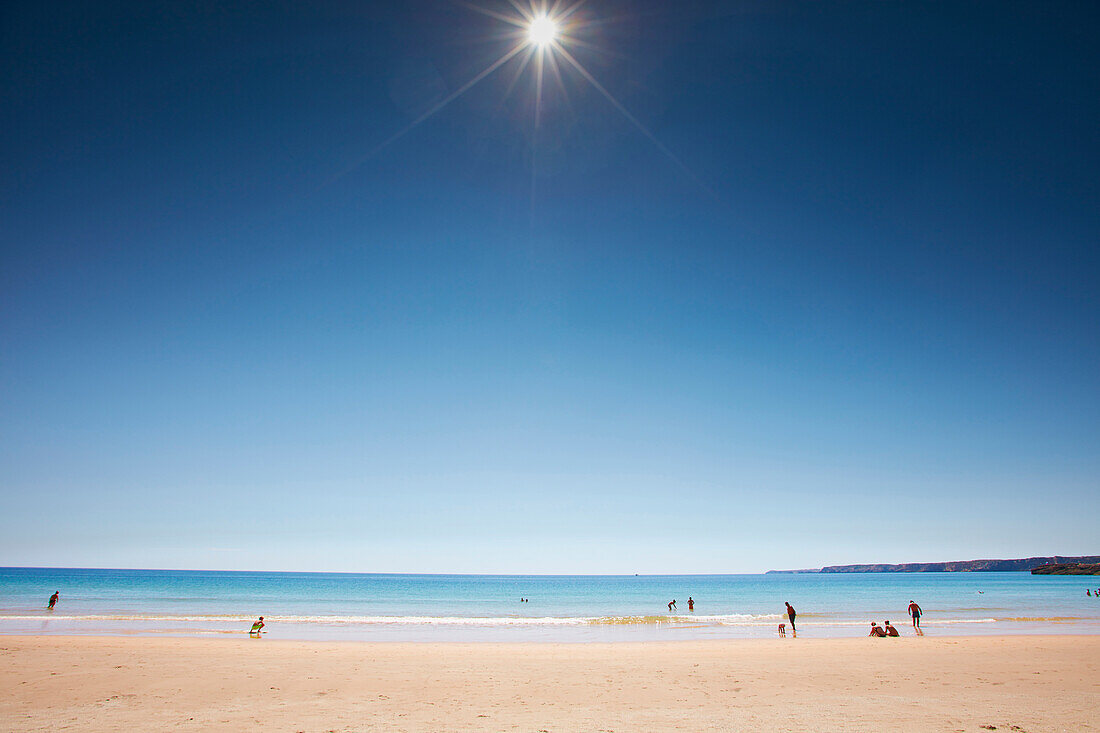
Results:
[541, 33]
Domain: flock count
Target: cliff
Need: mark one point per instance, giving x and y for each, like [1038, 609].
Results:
[959, 566]
[1073, 568]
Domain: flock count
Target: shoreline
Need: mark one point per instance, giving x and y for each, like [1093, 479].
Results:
[83, 683]
[519, 631]
[679, 634]
[244, 637]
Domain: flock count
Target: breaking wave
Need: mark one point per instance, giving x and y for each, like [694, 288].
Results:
[733, 619]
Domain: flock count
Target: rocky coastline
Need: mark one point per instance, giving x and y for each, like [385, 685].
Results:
[961, 566]
[1073, 568]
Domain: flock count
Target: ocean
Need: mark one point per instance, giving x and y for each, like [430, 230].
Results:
[381, 607]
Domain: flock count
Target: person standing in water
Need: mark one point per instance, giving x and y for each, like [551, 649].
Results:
[915, 613]
[53, 599]
[672, 605]
[691, 604]
[790, 615]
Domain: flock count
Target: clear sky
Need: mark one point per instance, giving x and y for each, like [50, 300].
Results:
[825, 287]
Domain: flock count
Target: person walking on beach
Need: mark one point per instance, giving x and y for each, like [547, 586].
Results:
[790, 615]
[53, 599]
[255, 630]
[915, 613]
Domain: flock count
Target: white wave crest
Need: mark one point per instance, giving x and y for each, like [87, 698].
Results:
[732, 619]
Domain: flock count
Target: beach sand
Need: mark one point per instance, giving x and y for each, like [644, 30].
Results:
[1021, 683]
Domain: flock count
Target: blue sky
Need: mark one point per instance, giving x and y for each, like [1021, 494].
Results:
[852, 316]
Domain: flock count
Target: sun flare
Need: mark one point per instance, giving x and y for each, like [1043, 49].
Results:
[542, 31]
[544, 37]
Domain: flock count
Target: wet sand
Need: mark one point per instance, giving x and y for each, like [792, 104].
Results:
[1016, 683]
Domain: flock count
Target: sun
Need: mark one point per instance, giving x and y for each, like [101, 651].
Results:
[544, 35]
[542, 31]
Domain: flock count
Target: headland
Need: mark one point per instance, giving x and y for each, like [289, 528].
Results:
[956, 566]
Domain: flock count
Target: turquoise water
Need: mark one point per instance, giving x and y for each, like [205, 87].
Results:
[560, 608]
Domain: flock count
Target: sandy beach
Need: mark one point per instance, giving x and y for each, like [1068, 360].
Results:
[1022, 683]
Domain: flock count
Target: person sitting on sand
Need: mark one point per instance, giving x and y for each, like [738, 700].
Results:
[876, 630]
[53, 599]
[255, 631]
[890, 630]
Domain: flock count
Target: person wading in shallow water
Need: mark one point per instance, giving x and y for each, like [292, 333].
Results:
[791, 614]
[915, 613]
[53, 599]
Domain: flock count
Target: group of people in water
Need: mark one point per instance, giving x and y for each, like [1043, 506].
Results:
[791, 614]
[1088, 592]
[672, 604]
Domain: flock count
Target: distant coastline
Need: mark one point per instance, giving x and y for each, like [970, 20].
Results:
[958, 566]
[1074, 568]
